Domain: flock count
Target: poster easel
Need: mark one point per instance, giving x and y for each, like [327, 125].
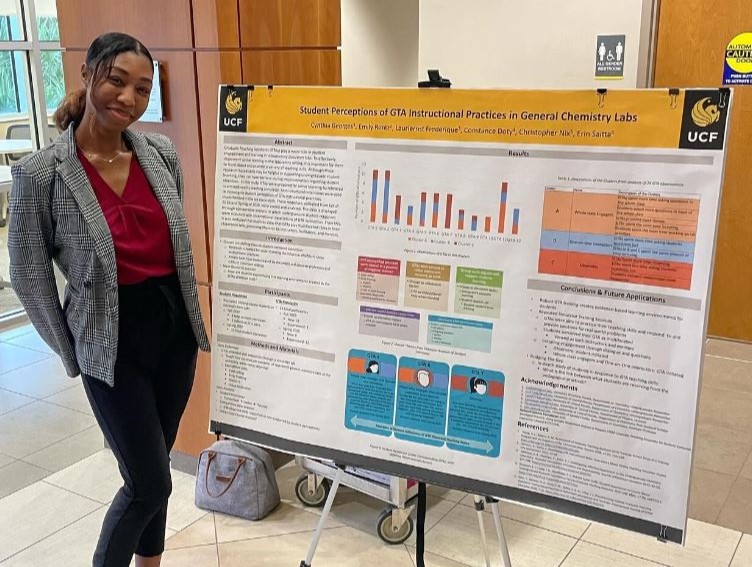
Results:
[480, 503]
[627, 234]
[435, 80]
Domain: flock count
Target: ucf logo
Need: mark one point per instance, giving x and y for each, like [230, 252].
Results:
[233, 104]
[704, 119]
[233, 115]
[705, 113]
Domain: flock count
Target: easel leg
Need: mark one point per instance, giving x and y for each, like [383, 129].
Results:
[324, 517]
[479, 506]
[505, 560]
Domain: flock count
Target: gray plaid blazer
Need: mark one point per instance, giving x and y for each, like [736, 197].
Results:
[55, 216]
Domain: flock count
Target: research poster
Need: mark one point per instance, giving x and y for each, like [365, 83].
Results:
[503, 292]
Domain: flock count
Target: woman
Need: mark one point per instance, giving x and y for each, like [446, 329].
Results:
[478, 386]
[105, 204]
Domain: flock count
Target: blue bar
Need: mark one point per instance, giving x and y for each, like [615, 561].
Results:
[622, 246]
[554, 240]
[516, 217]
[374, 190]
[422, 212]
[653, 249]
[462, 322]
[474, 224]
[385, 210]
[588, 243]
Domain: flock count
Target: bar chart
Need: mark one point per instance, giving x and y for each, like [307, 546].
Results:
[437, 210]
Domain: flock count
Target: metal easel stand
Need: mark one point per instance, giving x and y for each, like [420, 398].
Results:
[435, 80]
[480, 504]
[324, 517]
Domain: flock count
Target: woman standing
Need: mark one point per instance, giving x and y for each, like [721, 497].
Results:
[105, 204]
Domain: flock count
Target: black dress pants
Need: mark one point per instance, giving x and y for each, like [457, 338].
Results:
[140, 415]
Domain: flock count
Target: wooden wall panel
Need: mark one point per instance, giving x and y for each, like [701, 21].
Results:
[193, 436]
[293, 67]
[215, 24]
[290, 23]
[181, 126]
[214, 68]
[158, 24]
[708, 27]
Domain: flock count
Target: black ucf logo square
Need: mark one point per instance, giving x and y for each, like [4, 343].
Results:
[704, 120]
[233, 109]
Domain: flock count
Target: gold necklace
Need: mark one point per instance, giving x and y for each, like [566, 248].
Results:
[90, 156]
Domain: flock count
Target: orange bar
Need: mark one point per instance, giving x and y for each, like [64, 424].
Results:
[557, 210]
[583, 265]
[461, 220]
[435, 216]
[503, 206]
[448, 216]
[676, 275]
[385, 209]
[406, 375]
[496, 390]
[374, 191]
[659, 218]
[553, 262]
[594, 213]
[356, 365]
[459, 383]
[488, 224]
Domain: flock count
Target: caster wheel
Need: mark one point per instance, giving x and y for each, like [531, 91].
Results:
[312, 499]
[387, 532]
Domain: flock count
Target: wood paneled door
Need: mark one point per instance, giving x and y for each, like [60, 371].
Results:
[692, 39]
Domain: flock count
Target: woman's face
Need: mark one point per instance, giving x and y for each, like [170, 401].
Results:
[121, 97]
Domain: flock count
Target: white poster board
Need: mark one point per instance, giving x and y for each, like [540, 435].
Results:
[503, 292]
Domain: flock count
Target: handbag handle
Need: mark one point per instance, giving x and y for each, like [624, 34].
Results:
[212, 455]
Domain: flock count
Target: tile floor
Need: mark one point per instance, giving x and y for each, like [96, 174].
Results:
[56, 481]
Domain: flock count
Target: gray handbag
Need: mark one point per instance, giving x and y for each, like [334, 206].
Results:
[237, 479]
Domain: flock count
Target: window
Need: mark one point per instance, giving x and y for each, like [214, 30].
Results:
[31, 87]
[12, 101]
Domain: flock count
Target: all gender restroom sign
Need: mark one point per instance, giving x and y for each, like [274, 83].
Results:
[609, 61]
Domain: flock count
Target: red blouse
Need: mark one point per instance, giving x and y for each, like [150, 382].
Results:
[138, 224]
